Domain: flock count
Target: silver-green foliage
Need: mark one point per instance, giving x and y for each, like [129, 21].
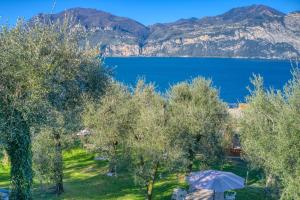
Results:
[150, 144]
[44, 69]
[43, 156]
[22, 100]
[197, 120]
[110, 123]
[132, 126]
[270, 133]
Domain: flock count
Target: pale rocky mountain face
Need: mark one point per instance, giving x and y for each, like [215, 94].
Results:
[252, 32]
[114, 35]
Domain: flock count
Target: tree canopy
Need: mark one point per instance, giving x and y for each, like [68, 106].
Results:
[44, 69]
[198, 119]
[270, 133]
[110, 122]
[156, 132]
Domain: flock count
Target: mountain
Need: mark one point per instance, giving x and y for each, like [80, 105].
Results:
[255, 31]
[116, 35]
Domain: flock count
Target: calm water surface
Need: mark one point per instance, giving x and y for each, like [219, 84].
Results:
[230, 76]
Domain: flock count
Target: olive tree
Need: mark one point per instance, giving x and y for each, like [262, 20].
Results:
[150, 144]
[270, 134]
[76, 75]
[22, 101]
[43, 157]
[132, 125]
[110, 122]
[44, 69]
[197, 120]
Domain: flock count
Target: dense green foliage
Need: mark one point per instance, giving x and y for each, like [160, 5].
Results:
[150, 143]
[132, 128]
[52, 85]
[151, 132]
[198, 119]
[44, 73]
[43, 156]
[22, 97]
[270, 135]
[110, 122]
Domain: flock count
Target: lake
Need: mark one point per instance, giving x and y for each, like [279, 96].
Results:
[230, 76]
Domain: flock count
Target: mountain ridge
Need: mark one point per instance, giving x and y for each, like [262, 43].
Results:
[255, 31]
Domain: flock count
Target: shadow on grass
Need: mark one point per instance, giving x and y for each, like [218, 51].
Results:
[86, 178]
[251, 193]
[239, 167]
[4, 177]
[164, 191]
[96, 187]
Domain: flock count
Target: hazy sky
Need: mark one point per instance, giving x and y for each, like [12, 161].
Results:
[144, 11]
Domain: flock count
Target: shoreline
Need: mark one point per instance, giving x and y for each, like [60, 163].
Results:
[205, 57]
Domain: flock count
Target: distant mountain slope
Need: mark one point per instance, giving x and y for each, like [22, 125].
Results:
[116, 35]
[255, 31]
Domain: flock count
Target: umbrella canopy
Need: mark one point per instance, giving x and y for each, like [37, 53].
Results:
[218, 181]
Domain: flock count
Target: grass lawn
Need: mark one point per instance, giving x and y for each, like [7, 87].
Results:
[86, 178]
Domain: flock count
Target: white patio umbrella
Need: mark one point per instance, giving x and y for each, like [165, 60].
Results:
[218, 181]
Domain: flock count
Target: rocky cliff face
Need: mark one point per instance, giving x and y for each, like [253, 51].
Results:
[114, 35]
[254, 32]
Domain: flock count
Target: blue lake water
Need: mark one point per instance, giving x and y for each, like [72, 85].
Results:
[230, 76]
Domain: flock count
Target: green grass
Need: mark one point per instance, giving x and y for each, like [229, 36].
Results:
[4, 177]
[86, 178]
[254, 189]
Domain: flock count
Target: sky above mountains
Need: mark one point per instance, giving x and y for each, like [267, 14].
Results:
[145, 11]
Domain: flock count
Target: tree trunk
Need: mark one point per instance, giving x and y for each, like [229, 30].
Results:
[113, 160]
[151, 183]
[19, 151]
[58, 165]
[191, 158]
[149, 190]
[271, 187]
